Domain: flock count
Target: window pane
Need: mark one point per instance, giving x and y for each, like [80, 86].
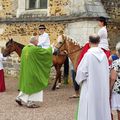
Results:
[43, 4]
[32, 4]
[27, 4]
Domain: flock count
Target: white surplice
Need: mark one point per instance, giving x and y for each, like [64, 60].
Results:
[36, 97]
[93, 73]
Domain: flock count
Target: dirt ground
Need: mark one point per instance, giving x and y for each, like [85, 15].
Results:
[56, 105]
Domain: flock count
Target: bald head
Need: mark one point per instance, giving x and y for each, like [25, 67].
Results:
[94, 39]
[34, 40]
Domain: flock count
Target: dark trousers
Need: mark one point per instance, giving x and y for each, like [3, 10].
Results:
[76, 86]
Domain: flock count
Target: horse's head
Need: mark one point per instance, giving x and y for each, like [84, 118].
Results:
[67, 44]
[60, 42]
[10, 47]
[59, 47]
[70, 47]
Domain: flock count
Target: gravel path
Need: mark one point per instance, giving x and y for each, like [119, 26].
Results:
[56, 105]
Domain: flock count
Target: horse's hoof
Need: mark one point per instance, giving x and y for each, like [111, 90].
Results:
[53, 88]
[58, 86]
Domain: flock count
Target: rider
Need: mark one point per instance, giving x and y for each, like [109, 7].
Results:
[102, 22]
[43, 40]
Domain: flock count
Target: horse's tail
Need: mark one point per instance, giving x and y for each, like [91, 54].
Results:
[66, 70]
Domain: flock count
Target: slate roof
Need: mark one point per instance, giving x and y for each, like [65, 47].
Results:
[95, 9]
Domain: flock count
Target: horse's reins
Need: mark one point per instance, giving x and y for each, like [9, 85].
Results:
[74, 51]
[71, 51]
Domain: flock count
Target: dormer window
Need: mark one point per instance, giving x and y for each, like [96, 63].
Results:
[36, 4]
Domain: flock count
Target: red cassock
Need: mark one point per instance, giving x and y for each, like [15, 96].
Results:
[2, 82]
[85, 49]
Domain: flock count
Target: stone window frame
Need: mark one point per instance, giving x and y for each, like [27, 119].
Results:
[36, 6]
[22, 8]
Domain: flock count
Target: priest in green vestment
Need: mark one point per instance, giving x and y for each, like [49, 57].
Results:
[34, 73]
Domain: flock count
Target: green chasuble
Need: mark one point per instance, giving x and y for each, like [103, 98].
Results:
[35, 69]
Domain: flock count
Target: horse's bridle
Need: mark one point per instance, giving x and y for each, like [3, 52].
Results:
[62, 43]
[74, 51]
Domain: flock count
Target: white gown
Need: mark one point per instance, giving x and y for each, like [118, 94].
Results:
[103, 38]
[93, 73]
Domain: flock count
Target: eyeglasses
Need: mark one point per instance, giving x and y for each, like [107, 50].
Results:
[41, 28]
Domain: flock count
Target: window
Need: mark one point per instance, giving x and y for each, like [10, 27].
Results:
[33, 7]
[36, 4]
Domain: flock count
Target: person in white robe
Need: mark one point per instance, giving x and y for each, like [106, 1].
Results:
[103, 33]
[93, 73]
[43, 40]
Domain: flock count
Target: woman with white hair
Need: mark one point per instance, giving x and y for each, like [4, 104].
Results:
[115, 83]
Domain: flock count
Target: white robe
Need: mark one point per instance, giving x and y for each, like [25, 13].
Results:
[93, 72]
[36, 97]
[44, 40]
[103, 38]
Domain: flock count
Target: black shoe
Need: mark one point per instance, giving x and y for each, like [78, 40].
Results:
[18, 101]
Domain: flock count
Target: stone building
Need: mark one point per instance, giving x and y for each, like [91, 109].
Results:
[113, 9]
[77, 18]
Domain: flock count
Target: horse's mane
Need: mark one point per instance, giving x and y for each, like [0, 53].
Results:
[69, 38]
[19, 44]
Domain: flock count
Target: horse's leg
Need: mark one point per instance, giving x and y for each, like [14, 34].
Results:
[54, 85]
[57, 76]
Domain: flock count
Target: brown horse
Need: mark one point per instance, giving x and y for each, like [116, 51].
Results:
[58, 60]
[71, 47]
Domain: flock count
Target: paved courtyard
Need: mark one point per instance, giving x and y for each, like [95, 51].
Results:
[56, 105]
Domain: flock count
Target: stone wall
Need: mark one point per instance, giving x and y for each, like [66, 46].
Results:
[11, 65]
[113, 9]
[114, 34]
[79, 30]
[8, 8]
[21, 32]
[59, 7]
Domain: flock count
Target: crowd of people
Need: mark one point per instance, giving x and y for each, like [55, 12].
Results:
[96, 79]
